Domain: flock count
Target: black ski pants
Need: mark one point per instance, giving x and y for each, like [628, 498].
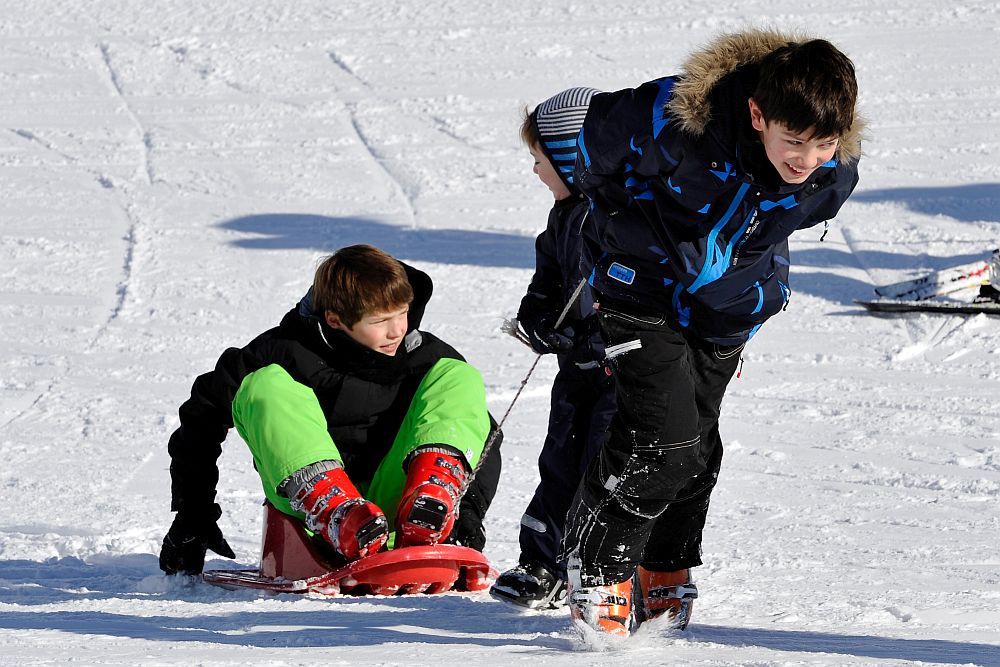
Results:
[645, 496]
[583, 401]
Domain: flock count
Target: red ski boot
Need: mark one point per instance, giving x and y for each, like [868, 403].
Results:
[355, 527]
[430, 498]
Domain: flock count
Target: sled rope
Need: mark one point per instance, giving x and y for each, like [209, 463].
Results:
[511, 326]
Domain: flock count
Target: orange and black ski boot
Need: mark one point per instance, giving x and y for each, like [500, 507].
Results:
[667, 593]
[605, 608]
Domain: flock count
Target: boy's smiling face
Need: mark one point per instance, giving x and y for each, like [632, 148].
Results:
[795, 155]
[547, 174]
[382, 331]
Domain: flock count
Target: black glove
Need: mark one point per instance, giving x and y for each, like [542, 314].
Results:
[189, 537]
[468, 530]
[543, 336]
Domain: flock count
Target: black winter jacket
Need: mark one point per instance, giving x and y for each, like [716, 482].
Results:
[692, 219]
[559, 268]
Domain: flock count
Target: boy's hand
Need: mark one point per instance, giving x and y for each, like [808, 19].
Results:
[545, 339]
[190, 536]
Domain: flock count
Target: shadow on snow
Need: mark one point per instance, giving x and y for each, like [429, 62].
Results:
[278, 231]
[845, 290]
[865, 646]
[281, 231]
[965, 203]
[441, 620]
[352, 621]
[976, 202]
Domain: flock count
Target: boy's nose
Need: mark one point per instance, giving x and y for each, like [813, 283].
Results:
[816, 158]
[399, 330]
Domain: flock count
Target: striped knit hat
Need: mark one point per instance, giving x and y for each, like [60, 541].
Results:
[558, 121]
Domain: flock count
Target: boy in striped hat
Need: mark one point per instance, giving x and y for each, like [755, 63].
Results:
[582, 393]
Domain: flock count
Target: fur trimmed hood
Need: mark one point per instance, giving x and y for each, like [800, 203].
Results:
[690, 102]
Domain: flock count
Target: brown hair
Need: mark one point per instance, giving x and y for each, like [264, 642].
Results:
[808, 86]
[358, 280]
[529, 129]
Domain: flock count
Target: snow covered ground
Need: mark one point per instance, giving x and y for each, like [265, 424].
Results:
[171, 172]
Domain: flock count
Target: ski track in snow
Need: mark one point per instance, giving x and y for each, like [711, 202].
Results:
[122, 288]
[342, 65]
[146, 167]
[172, 172]
[406, 189]
[32, 137]
[404, 192]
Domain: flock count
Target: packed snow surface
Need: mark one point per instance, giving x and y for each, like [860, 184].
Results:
[172, 171]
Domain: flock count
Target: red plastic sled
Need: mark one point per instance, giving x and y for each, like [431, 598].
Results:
[291, 563]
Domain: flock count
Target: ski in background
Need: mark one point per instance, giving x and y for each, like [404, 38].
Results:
[928, 306]
[940, 283]
[920, 294]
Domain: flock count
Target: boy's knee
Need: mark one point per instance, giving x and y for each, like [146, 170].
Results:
[454, 370]
[647, 480]
[272, 391]
[263, 384]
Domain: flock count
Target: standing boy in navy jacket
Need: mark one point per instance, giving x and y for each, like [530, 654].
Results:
[696, 181]
[582, 392]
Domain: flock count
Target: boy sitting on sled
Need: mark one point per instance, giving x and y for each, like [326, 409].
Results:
[362, 426]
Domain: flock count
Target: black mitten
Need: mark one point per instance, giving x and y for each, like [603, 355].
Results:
[543, 335]
[190, 536]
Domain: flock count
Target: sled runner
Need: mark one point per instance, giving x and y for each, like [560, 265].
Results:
[291, 563]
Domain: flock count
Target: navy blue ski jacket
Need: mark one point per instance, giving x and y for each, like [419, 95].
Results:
[559, 268]
[692, 221]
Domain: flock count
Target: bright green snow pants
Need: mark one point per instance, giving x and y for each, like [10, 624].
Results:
[283, 424]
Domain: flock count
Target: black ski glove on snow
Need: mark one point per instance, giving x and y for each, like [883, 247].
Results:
[543, 336]
[189, 537]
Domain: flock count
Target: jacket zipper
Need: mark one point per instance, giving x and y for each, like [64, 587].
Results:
[751, 228]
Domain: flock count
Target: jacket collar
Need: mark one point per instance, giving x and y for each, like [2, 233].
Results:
[691, 101]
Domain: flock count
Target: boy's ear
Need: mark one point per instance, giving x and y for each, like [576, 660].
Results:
[333, 320]
[756, 115]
